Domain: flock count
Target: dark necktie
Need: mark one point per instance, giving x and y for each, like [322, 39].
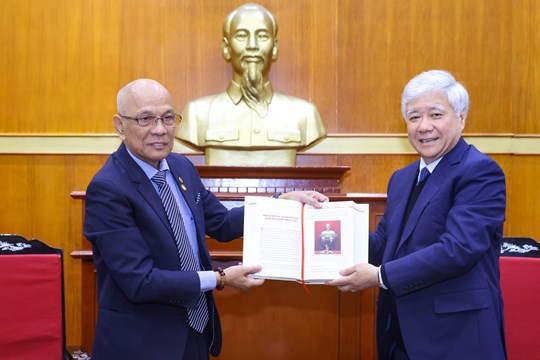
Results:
[198, 317]
[415, 193]
[423, 175]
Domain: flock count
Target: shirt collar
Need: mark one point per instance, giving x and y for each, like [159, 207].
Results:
[235, 93]
[431, 166]
[148, 169]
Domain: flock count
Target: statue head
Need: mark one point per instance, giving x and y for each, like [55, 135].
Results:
[250, 123]
[250, 45]
[250, 40]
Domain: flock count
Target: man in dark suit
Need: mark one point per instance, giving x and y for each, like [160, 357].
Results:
[154, 272]
[435, 253]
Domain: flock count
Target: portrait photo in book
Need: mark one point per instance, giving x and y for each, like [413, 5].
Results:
[327, 237]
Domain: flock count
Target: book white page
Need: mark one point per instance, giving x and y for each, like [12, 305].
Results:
[272, 233]
[361, 234]
[335, 237]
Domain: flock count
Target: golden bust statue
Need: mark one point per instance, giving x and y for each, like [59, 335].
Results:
[250, 124]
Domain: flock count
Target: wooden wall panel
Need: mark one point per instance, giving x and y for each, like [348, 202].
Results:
[286, 299]
[523, 209]
[63, 61]
[308, 54]
[525, 64]
[71, 57]
[392, 41]
[36, 203]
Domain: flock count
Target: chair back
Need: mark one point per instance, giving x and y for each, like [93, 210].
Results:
[520, 247]
[520, 283]
[32, 301]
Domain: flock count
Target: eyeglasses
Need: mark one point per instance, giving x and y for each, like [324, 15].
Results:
[145, 121]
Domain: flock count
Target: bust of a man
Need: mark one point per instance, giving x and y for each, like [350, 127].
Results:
[250, 124]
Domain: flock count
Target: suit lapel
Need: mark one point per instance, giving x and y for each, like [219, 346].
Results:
[436, 180]
[144, 185]
[404, 180]
[431, 188]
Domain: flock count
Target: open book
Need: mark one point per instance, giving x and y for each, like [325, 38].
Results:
[292, 241]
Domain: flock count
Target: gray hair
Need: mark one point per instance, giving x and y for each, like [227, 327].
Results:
[438, 81]
[248, 7]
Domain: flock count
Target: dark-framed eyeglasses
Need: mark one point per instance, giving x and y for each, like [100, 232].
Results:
[149, 120]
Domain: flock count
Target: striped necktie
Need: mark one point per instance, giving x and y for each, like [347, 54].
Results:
[198, 317]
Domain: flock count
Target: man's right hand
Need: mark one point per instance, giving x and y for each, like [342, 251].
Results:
[237, 277]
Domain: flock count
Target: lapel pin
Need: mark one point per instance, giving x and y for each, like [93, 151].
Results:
[182, 183]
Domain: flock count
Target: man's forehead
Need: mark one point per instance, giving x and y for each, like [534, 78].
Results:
[428, 101]
[145, 86]
[149, 101]
[426, 107]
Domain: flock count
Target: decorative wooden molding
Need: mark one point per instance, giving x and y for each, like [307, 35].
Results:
[249, 180]
[333, 144]
[274, 172]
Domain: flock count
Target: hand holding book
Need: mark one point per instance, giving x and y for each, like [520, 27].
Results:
[293, 241]
[312, 198]
[357, 277]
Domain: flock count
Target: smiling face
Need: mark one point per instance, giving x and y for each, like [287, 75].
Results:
[433, 126]
[145, 98]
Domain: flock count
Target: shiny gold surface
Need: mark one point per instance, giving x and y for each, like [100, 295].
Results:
[250, 124]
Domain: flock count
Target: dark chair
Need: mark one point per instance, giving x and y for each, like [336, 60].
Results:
[520, 247]
[520, 283]
[32, 301]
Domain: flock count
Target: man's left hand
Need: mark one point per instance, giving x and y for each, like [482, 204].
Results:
[357, 277]
[312, 198]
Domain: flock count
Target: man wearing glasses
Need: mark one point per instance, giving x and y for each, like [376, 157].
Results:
[147, 213]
